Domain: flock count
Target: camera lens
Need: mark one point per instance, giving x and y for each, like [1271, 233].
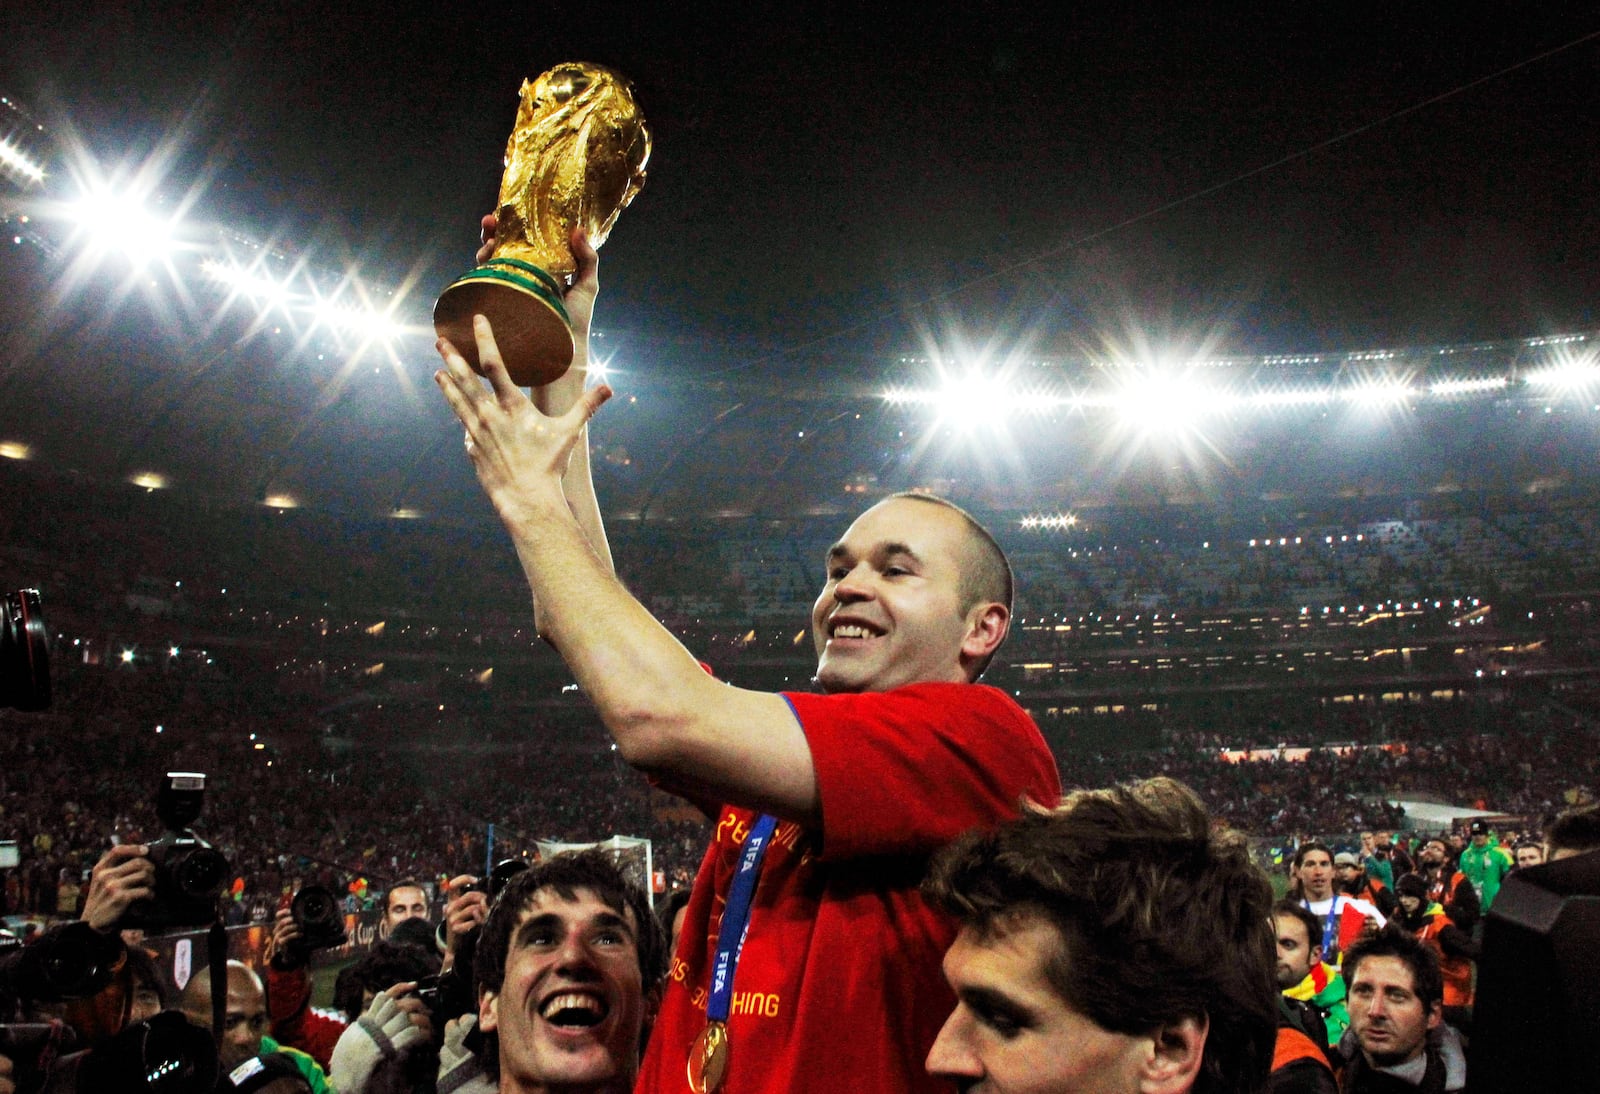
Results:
[314, 903]
[201, 873]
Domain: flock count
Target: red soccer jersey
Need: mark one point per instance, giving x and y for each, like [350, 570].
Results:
[839, 985]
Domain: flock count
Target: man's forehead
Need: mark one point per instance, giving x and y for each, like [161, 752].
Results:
[245, 999]
[1316, 858]
[1384, 971]
[407, 894]
[918, 526]
[1290, 925]
[584, 903]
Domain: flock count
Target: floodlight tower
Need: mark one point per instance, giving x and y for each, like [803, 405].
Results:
[24, 146]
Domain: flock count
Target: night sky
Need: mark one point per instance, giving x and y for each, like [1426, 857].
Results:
[830, 174]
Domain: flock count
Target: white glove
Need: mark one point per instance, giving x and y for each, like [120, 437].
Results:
[381, 1033]
[459, 1070]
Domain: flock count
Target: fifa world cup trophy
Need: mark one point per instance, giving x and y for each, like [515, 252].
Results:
[576, 157]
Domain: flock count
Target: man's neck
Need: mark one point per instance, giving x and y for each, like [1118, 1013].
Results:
[1318, 898]
[1410, 1071]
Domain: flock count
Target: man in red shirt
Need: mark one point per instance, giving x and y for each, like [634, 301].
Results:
[844, 795]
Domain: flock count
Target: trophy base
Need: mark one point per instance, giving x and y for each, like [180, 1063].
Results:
[523, 306]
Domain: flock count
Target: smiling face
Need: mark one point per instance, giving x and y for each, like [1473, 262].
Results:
[571, 1006]
[892, 612]
[1012, 1033]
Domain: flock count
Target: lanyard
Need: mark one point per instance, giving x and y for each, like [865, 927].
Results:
[1330, 930]
[736, 918]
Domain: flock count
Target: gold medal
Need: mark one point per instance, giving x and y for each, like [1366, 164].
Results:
[708, 1059]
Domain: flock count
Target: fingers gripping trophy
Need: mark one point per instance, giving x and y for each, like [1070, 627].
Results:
[575, 158]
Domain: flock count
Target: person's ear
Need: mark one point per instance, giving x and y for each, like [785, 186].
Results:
[1179, 1049]
[986, 629]
[488, 1010]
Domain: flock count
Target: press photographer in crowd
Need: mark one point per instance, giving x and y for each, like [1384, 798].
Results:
[313, 921]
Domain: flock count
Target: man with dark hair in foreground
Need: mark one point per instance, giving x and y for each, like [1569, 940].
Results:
[1115, 944]
[569, 970]
[1396, 1005]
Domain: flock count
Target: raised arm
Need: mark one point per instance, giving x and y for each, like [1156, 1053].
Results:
[702, 738]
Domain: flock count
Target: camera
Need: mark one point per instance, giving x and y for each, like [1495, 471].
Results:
[190, 873]
[164, 1054]
[24, 652]
[72, 961]
[317, 913]
[503, 872]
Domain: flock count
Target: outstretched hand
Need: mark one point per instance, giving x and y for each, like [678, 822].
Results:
[519, 453]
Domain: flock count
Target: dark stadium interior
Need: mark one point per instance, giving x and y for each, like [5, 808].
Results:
[264, 556]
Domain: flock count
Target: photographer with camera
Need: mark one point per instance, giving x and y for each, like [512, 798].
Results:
[313, 921]
[464, 915]
[295, 1021]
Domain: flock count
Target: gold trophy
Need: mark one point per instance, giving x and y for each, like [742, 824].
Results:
[575, 157]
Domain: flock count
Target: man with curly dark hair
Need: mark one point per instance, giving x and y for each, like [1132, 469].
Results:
[1115, 943]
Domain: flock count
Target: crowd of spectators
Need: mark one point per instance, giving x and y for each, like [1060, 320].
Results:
[311, 806]
[300, 794]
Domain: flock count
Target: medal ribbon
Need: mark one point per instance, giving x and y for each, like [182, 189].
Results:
[1330, 930]
[736, 918]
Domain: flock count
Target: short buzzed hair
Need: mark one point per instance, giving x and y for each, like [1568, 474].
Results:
[986, 572]
[986, 576]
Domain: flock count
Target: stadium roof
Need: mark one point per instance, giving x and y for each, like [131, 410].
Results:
[1033, 260]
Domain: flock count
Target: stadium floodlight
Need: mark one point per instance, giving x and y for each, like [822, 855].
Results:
[112, 219]
[150, 480]
[1157, 402]
[249, 283]
[357, 320]
[1296, 397]
[1469, 387]
[1049, 522]
[1570, 375]
[15, 450]
[1378, 392]
[281, 501]
[973, 400]
[15, 161]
